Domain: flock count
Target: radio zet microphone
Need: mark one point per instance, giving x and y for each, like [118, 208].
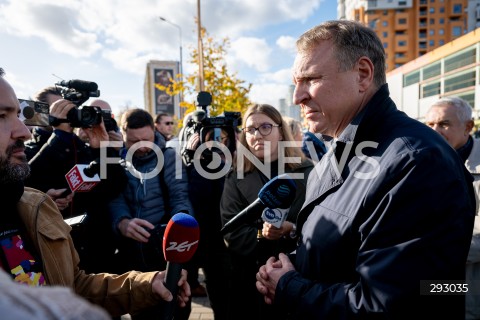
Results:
[83, 177]
[276, 193]
[180, 241]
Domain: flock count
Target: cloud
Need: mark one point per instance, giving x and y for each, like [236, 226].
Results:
[268, 93]
[287, 43]
[55, 24]
[126, 32]
[283, 77]
[252, 52]
[233, 18]
[270, 87]
[112, 40]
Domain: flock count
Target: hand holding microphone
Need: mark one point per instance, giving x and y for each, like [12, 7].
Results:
[275, 216]
[158, 287]
[62, 197]
[180, 242]
[83, 177]
[275, 225]
[276, 193]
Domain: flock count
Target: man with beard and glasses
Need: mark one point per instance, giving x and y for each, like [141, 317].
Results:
[35, 243]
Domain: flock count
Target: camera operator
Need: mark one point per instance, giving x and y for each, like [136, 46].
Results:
[205, 194]
[63, 150]
[114, 133]
[40, 135]
[36, 247]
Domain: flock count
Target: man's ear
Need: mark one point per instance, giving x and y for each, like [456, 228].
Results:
[469, 126]
[365, 73]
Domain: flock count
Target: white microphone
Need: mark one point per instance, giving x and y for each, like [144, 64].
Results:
[276, 193]
[275, 216]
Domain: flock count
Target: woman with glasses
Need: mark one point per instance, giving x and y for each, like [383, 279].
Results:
[267, 140]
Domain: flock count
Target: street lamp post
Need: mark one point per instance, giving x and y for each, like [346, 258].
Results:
[180, 37]
[201, 75]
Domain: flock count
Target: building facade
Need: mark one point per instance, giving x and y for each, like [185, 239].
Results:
[156, 100]
[411, 28]
[450, 70]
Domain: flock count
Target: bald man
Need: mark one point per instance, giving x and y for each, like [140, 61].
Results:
[114, 135]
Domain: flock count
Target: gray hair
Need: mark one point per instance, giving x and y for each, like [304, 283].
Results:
[462, 108]
[352, 40]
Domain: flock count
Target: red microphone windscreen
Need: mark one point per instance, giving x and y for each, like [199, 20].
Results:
[181, 237]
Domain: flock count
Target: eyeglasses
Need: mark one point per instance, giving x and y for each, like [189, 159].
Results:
[169, 123]
[264, 129]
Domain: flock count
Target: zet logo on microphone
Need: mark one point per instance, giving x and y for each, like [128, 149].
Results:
[181, 247]
[181, 237]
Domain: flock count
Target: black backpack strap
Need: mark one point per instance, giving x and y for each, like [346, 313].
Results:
[165, 194]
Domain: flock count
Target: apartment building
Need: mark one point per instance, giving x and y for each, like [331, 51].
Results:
[411, 28]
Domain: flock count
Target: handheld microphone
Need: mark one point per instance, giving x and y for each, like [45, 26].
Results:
[180, 241]
[80, 85]
[275, 216]
[276, 193]
[83, 177]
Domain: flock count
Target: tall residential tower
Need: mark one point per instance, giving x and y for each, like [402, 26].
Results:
[411, 28]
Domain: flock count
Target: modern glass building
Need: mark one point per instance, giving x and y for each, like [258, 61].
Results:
[450, 70]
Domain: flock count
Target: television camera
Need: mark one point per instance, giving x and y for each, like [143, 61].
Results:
[221, 129]
[77, 91]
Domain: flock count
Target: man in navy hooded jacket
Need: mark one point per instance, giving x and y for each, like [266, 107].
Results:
[389, 210]
[157, 189]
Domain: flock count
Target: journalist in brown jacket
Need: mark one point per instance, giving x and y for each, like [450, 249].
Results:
[36, 247]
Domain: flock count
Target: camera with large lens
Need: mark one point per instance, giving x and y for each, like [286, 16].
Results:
[79, 91]
[221, 129]
[84, 116]
[109, 121]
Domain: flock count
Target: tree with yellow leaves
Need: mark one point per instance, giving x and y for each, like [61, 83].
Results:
[229, 93]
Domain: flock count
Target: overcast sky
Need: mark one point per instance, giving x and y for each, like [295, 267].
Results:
[110, 41]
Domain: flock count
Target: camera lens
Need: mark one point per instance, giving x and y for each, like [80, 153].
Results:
[89, 116]
[84, 117]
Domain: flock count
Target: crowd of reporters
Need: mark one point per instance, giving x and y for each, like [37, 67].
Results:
[363, 245]
[124, 214]
[123, 217]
